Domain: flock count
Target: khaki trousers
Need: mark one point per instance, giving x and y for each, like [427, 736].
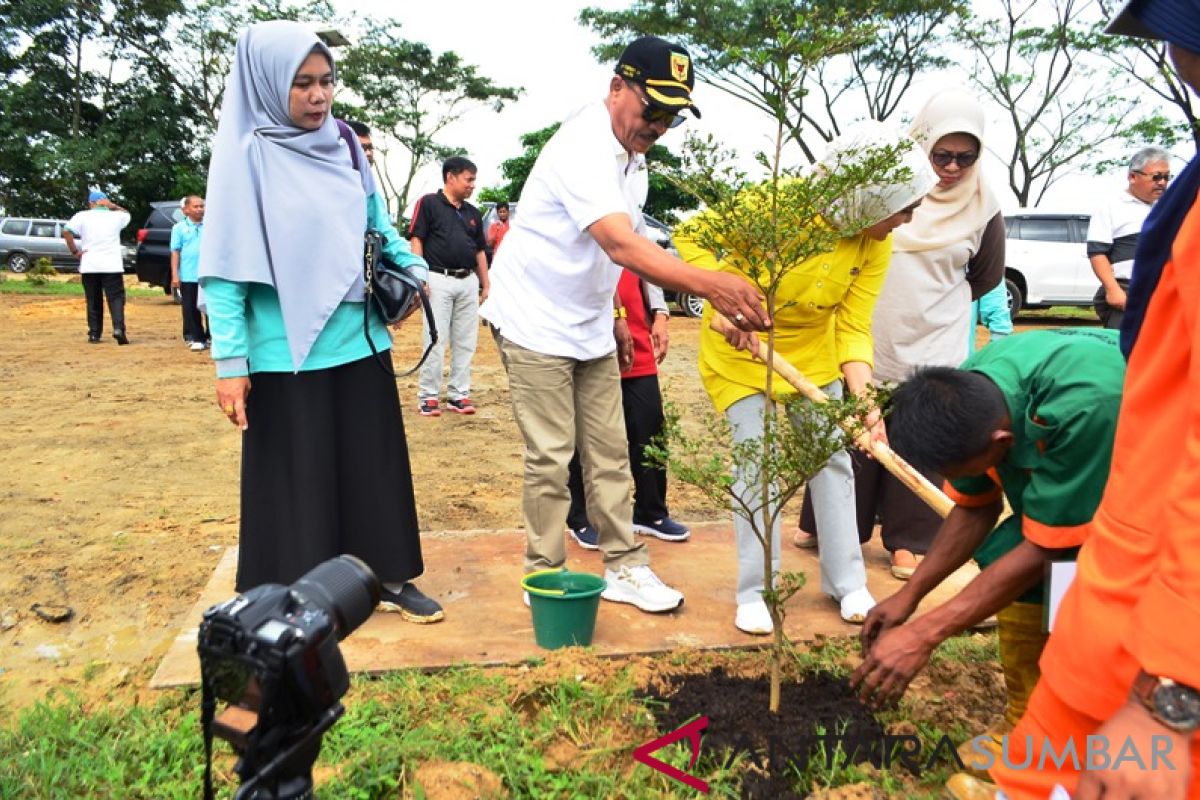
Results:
[560, 403]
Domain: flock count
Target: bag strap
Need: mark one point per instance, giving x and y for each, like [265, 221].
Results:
[372, 255]
[347, 136]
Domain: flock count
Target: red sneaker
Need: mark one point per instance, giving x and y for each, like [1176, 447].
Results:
[462, 405]
[429, 408]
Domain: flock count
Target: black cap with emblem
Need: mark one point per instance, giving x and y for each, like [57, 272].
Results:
[663, 70]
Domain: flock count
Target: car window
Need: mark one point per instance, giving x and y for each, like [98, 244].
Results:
[42, 228]
[1045, 230]
[1079, 230]
[15, 227]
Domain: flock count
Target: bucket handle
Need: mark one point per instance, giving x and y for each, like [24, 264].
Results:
[543, 592]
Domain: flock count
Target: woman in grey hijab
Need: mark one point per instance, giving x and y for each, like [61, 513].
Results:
[325, 467]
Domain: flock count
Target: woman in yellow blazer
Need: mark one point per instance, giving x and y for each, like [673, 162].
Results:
[822, 326]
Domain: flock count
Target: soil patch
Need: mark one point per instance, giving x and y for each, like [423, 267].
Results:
[777, 745]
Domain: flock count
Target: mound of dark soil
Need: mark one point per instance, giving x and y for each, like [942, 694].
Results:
[778, 745]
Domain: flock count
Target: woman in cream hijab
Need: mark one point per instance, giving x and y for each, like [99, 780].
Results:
[950, 254]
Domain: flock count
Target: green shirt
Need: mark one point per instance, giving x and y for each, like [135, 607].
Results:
[1063, 393]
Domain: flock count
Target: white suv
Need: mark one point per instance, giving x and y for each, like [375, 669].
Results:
[1046, 261]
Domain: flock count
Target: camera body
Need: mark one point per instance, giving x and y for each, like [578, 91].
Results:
[272, 654]
[284, 640]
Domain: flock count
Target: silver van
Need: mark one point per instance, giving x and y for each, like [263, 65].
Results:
[24, 240]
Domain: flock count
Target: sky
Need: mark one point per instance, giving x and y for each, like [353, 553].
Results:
[538, 45]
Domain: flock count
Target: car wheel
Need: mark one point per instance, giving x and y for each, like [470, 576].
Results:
[1015, 300]
[18, 262]
[692, 305]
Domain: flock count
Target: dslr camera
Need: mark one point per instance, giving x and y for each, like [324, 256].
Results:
[271, 654]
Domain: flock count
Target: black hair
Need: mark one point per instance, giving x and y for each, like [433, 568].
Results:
[942, 417]
[455, 165]
[502, 204]
[359, 128]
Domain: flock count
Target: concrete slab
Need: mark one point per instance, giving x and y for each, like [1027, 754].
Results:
[476, 576]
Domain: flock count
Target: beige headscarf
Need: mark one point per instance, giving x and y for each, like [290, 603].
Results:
[948, 215]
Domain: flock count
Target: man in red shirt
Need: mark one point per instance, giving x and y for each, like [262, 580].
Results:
[640, 328]
[496, 231]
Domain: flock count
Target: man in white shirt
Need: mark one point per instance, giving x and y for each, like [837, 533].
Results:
[556, 315]
[1114, 227]
[94, 237]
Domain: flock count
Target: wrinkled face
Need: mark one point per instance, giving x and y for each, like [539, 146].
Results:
[880, 230]
[1148, 183]
[193, 209]
[368, 148]
[311, 93]
[502, 213]
[959, 153]
[625, 107]
[461, 186]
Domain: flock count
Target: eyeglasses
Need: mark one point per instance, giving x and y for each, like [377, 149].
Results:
[1157, 177]
[942, 158]
[655, 115]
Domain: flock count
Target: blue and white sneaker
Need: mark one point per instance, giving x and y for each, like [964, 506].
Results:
[666, 529]
[586, 537]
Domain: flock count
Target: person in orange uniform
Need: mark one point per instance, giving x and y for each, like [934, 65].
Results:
[1123, 661]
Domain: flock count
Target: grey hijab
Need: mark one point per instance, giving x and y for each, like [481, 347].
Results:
[285, 206]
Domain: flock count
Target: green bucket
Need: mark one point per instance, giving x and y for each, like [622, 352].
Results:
[564, 606]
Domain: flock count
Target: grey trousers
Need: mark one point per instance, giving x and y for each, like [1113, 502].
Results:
[560, 403]
[832, 490]
[455, 304]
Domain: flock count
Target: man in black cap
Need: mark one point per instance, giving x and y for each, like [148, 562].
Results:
[1116, 714]
[558, 320]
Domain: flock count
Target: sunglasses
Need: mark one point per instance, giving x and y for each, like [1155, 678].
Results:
[942, 158]
[1157, 177]
[653, 114]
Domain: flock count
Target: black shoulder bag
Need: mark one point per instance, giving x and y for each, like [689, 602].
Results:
[395, 293]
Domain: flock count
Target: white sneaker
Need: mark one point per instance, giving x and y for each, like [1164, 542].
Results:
[197, 347]
[754, 618]
[856, 605]
[641, 587]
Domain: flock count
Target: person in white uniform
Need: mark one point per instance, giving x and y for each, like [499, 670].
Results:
[555, 313]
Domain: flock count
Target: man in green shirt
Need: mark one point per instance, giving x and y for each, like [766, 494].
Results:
[1029, 418]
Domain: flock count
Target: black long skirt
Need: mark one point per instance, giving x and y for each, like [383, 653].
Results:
[325, 471]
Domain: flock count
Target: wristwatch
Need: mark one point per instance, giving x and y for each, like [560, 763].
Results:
[1173, 704]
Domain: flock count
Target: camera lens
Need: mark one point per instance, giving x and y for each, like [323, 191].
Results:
[345, 587]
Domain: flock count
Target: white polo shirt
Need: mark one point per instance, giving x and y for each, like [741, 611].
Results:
[552, 285]
[99, 233]
[1113, 231]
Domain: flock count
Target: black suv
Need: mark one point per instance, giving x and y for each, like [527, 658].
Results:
[153, 262]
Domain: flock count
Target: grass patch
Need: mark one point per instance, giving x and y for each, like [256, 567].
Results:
[1058, 312]
[540, 730]
[65, 289]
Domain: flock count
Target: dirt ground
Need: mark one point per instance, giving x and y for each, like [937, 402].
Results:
[122, 485]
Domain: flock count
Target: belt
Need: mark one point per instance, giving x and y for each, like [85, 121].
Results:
[453, 273]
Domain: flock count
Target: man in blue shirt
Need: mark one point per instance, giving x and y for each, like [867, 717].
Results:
[185, 269]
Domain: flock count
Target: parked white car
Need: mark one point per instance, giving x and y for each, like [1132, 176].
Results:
[1046, 261]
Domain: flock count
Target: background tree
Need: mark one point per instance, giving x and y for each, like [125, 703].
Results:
[663, 201]
[1146, 62]
[66, 126]
[409, 95]
[798, 61]
[190, 45]
[1027, 61]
